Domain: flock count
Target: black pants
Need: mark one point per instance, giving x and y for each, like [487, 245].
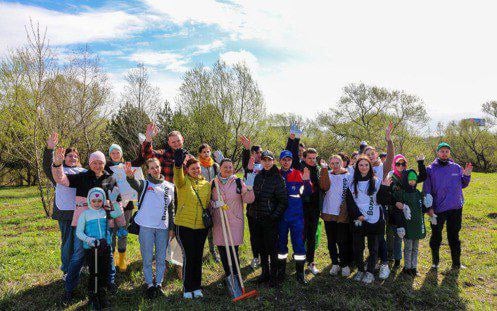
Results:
[224, 259]
[103, 265]
[255, 251]
[358, 245]
[453, 218]
[266, 241]
[311, 220]
[339, 238]
[192, 242]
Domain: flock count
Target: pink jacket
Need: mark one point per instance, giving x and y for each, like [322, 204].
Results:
[234, 214]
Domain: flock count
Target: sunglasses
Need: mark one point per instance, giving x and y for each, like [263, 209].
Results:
[404, 164]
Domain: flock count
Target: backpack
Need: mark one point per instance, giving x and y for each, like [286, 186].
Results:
[238, 185]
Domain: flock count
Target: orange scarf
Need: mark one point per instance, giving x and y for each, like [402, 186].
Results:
[206, 163]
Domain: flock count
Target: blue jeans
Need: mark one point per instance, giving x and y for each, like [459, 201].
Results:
[394, 243]
[149, 239]
[66, 243]
[75, 264]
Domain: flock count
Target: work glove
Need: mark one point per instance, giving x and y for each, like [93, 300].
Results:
[433, 220]
[401, 232]
[407, 212]
[249, 181]
[357, 223]
[428, 200]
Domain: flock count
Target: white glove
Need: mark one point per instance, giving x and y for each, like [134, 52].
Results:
[401, 232]
[407, 212]
[249, 181]
[357, 223]
[92, 242]
[428, 200]
[433, 219]
[218, 156]
[141, 138]
[218, 204]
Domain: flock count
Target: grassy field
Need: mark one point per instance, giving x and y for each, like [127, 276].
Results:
[30, 278]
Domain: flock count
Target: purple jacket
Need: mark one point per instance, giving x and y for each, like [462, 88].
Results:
[445, 184]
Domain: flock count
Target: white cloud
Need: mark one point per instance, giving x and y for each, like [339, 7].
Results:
[170, 61]
[207, 48]
[233, 57]
[63, 28]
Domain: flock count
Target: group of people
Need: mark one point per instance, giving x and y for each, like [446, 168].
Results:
[368, 196]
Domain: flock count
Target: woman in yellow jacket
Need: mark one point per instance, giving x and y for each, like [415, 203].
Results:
[194, 194]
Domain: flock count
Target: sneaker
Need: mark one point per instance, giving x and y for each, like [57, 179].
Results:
[255, 263]
[334, 269]
[64, 277]
[198, 294]
[188, 295]
[434, 266]
[346, 271]
[368, 278]
[312, 268]
[358, 276]
[458, 267]
[414, 272]
[151, 292]
[384, 271]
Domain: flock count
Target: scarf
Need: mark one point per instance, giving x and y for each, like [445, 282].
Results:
[394, 167]
[224, 181]
[206, 163]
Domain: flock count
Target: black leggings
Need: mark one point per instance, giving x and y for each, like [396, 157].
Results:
[339, 238]
[224, 259]
[359, 246]
[253, 244]
[311, 220]
[103, 265]
[192, 243]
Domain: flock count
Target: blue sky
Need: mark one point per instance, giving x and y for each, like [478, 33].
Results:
[301, 53]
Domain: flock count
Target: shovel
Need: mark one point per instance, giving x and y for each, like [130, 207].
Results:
[232, 282]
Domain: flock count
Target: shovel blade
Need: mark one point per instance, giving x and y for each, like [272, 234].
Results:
[234, 287]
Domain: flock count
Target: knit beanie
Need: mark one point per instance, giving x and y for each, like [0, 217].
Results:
[95, 193]
[97, 155]
[443, 145]
[115, 146]
[412, 176]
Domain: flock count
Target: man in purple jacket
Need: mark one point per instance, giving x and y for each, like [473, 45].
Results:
[445, 182]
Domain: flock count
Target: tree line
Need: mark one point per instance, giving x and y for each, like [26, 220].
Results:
[41, 93]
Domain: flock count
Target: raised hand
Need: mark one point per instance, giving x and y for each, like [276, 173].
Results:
[151, 132]
[306, 174]
[128, 170]
[245, 141]
[58, 157]
[53, 140]
[388, 131]
[387, 181]
[323, 163]
[420, 157]
[468, 169]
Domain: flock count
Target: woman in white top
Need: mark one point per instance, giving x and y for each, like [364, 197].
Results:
[335, 215]
[364, 196]
[155, 217]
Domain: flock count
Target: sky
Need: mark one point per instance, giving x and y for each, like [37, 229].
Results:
[302, 53]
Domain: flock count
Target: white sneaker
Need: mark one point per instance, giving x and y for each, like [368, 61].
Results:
[64, 277]
[334, 269]
[434, 266]
[384, 271]
[368, 278]
[255, 263]
[346, 271]
[312, 268]
[358, 276]
[198, 293]
[188, 295]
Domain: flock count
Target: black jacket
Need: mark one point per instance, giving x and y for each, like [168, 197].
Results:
[83, 182]
[271, 199]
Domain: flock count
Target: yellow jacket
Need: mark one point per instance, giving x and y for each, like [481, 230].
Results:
[189, 210]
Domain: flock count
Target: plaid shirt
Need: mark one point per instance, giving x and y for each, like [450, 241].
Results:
[165, 156]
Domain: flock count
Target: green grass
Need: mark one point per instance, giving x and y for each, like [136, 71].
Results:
[30, 278]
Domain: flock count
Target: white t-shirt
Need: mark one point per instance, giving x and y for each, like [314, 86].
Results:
[65, 197]
[153, 210]
[378, 171]
[367, 205]
[336, 194]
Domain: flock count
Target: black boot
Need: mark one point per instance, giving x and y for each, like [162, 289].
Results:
[93, 303]
[299, 271]
[264, 277]
[281, 270]
[103, 299]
